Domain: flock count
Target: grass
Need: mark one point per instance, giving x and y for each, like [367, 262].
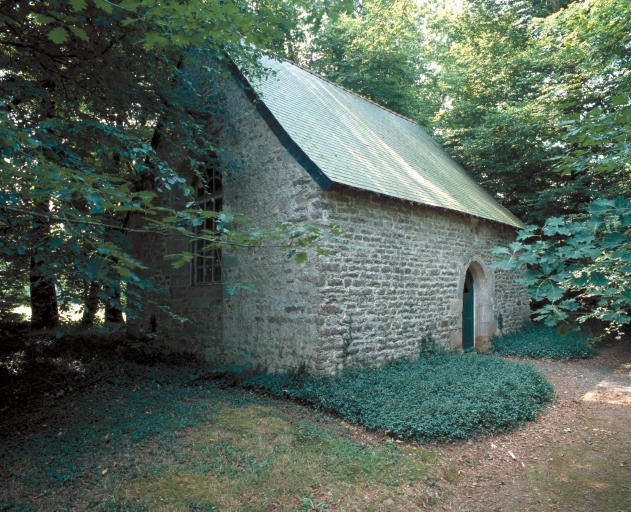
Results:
[90, 438]
[437, 397]
[154, 438]
[541, 342]
[259, 458]
[134, 438]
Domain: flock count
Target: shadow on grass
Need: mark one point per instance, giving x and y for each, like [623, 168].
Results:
[136, 437]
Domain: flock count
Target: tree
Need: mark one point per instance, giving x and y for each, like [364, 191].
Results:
[579, 263]
[514, 77]
[489, 79]
[91, 89]
[377, 51]
[578, 266]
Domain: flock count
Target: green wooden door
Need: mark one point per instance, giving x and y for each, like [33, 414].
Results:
[468, 320]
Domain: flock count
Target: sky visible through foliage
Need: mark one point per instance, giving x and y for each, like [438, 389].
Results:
[532, 97]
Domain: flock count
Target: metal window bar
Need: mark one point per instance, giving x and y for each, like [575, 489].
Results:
[206, 263]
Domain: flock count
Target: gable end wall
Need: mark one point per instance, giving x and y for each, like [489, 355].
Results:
[275, 326]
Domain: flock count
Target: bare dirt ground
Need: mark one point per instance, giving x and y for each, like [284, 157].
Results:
[575, 457]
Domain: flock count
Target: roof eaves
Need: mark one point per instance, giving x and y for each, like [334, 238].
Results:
[514, 223]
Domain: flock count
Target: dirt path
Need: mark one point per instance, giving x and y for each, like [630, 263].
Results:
[576, 457]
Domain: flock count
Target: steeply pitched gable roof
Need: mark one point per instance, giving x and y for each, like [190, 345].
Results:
[355, 142]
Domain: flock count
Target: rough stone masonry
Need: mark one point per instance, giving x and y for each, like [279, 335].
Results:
[394, 282]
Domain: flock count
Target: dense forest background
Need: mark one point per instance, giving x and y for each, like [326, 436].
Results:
[532, 97]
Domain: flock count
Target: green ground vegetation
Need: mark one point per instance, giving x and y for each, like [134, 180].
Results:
[542, 342]
[118, 435]
[109, 434]
[437, 397]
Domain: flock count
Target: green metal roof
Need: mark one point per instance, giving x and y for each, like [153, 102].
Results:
[357, 143]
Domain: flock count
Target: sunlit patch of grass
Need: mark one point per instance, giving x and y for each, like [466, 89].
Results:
[451, 474]
[260, 458]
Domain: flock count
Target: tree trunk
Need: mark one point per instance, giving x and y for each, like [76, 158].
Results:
[91, 305]
[44, 310]
[113, 312]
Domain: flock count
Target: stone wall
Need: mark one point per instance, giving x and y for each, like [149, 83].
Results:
[274, 326]
[396, 278]
[201, 306]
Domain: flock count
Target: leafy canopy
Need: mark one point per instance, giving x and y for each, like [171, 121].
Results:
[102, 124]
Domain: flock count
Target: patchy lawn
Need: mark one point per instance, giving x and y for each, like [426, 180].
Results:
[134, 438]
[155, 438]
[263, 457]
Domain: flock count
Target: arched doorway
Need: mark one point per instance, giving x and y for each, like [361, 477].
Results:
[468, 313]
[476, 294]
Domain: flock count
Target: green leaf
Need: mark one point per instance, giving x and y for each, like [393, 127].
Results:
[601, 206]
[500, 250]
[155, 40]
[619, 100]
[78, 5]
[613, 240]
[527, 232]
[555, 225]
[58, 35]
[96, 203]
[550, 291]
[598, 279]
[300, 257]
[507, 264]
[569, 304]
[105, 6]
[530, 277]
[42, 18]
[516, 246]
[79, 32]
[322, 251]
[128, 21]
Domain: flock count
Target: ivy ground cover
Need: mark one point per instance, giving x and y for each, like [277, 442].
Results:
[437, 397]
[542, 342]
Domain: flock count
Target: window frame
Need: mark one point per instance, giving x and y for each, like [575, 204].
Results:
[207, 269]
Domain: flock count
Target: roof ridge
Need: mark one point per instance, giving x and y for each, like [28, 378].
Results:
[321, 77]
